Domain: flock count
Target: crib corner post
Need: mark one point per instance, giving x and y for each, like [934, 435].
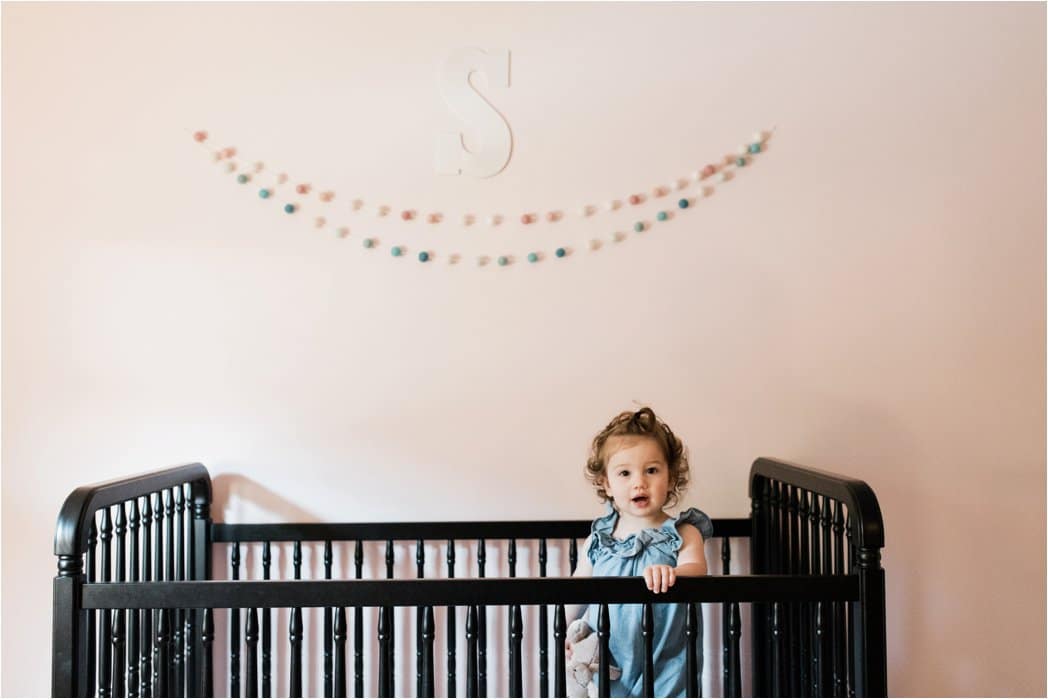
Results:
[69, 662]
[870, 635]
[758, 565]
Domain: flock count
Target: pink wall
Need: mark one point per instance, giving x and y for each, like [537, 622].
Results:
[869, 297]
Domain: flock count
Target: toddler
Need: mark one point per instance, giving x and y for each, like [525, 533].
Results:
[640, 467]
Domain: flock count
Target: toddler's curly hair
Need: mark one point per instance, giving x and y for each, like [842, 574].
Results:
[642, 423]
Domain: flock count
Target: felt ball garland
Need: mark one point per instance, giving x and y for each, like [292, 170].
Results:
[293, 202]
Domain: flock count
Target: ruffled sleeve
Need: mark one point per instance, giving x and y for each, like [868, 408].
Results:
[698, 519]
[600, 533]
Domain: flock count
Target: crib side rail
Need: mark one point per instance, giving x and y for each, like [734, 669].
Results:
[151, 526]
[377, 598]
[806, 521]
[426, 531]
[223, 594]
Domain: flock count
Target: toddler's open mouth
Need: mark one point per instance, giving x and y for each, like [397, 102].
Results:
[640, 500]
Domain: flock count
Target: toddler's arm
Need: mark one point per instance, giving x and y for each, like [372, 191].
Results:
[691, 561]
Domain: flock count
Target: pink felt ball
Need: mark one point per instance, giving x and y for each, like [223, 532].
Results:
[200, 136]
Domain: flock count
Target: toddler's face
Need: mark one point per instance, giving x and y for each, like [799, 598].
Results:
[636, 476]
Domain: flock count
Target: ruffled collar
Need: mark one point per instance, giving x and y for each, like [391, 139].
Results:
[664, 537]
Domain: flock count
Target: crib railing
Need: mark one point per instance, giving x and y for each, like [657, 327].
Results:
[147, 623]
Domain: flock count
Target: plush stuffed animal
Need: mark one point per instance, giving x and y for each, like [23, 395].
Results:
[582, 668]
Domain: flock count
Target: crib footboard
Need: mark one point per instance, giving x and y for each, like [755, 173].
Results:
[811, 522]
[151, 527]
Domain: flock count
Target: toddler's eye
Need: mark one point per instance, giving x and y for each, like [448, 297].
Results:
[653, 469]
[624, 473]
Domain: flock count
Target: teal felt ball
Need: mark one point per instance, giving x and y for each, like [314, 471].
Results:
[662, 216]
[533, 257]
[369, 243]
[740, 161]
[561, 252]
[242, 178]
[289, 208]
[638, 226]
[503, 260]
[396, 251]
[755, 148]
[423, 256]
[264, 193]
[683, 203]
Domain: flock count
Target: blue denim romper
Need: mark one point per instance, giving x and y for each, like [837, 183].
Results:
[629, 557]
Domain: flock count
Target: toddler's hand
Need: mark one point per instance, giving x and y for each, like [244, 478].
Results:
[659, 578]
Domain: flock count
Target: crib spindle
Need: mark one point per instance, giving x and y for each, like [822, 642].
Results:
[516, 633]
[804, 630]
[850, 656]
[165, 571]
[339, 665]
[427, 652]
[163, 645]
[733, 686]
[482, 628]
[118, 653]
[822, 675]
[158, 575]
[543, 629]
[603, 653]
[179, 616]
[295, 635]
[207, 637]
[195, 518]
[559, 662]
[133, 615]
[471, 651]
[267, 687]
[451, 624]
[840, 679]
[772, 537]
[725, 613]
[105, 631]
[420, 565]
[384, 655]
[691, 654]
[391, 625]
[251, 653]
[358, 626]
[234, 628]
[816, 569]
[119, 631]
[514, 627]
[146, 647]
[759, 518]
[327, 625]
[792, 608]
[777, 651]
[573, 554]
[647, 632]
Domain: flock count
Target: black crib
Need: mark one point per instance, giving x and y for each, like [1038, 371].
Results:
[135, 602]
